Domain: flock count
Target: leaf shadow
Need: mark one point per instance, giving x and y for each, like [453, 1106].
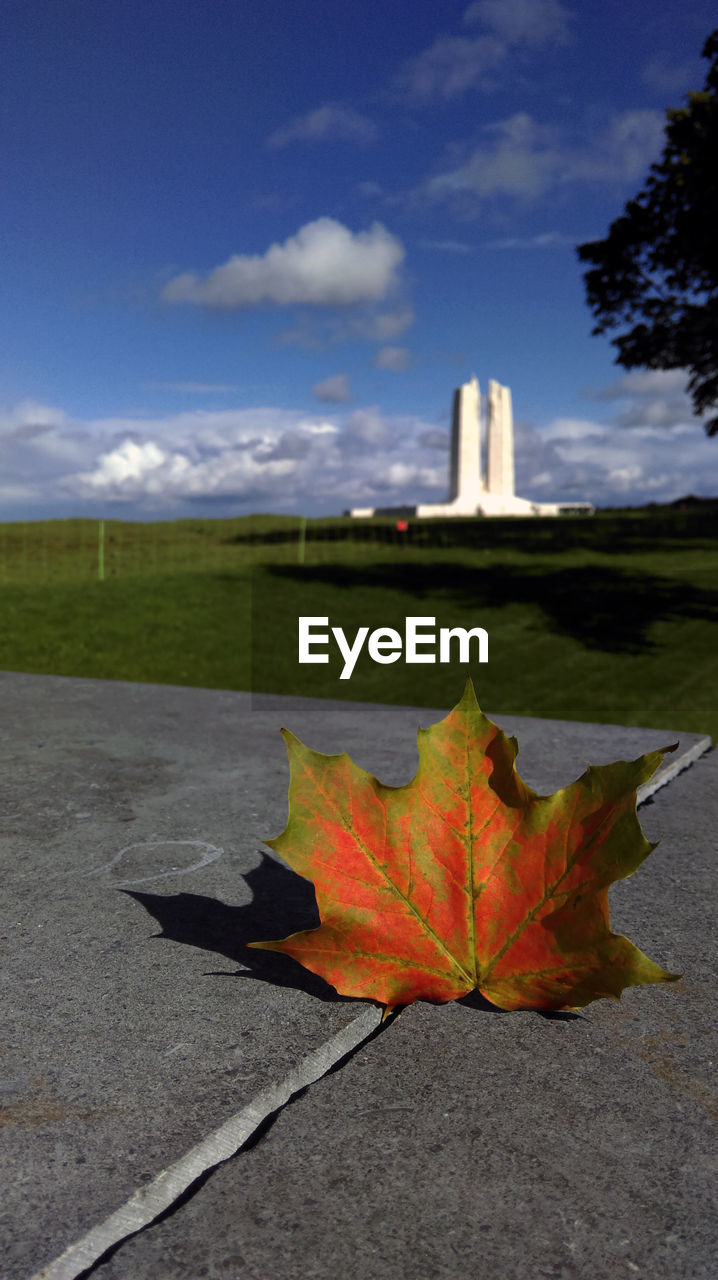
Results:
[561, 1015]
[282, 903]
[475, 1000]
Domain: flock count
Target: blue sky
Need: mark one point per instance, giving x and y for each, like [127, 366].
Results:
[250, 249]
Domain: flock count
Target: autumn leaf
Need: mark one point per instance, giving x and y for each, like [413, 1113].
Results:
[465, 878]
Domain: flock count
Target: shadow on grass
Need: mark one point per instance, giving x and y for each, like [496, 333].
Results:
[602, 608]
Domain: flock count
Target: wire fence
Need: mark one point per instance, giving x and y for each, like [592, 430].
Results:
[83, 550]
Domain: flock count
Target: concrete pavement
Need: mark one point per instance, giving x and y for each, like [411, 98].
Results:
[457, 1142]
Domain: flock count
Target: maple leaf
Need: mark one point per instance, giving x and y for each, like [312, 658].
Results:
[465, 878]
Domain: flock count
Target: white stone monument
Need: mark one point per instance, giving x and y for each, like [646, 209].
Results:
[465, 474]
[500, 442]
[473, 491]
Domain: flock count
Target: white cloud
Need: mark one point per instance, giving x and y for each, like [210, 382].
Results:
[544, 240]
[327, 123]
[522, 161]
[369, 323]
[572, 429]
[532, 22]
[133, 466]
[395, 358]
[233, 461]
[370, 188]
[623, 151]
[29, 417]
[37, 442]
[366, 430]
[236, 461]
[194, 388]
[644, 382]
[383, 325]
[334, 390]
[451, 65]
[525, 159]
[320, 428]
[324, 264]
[609, 466]
[663, 456]
[434, 438]
[454, 64]
[650, 398]
[664, 78]
[446, 246]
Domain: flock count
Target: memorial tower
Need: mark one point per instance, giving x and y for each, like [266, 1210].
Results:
[473, 489]
[499, 441]
[465, 475]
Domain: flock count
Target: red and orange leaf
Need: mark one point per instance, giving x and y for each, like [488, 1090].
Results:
[465, 878]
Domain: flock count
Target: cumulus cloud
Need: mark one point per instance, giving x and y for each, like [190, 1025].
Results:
[371, 324]
[664, 455]
[622, 153]
[643, 382]
[436, 439]
[236, 461]
[522, 159]
[572, 460]
[650, 398]
[133, 466]
[334, 390]
[573, 429]
[620, 467]
[328, 123]
[324, 264]
[525, 159]
[451, 65]
[284, 458]
[395, 358]
[30, 417]
[454, 64]
[532, 22]
[36, 442]
[366, 431]
[229, 461]
[664, 78]
[384, 324]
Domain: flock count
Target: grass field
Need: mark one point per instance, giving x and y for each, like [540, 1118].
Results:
[613, 619]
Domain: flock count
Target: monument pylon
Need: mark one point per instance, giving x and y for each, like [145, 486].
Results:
[465, 474]
[499, 441]
[474, 491]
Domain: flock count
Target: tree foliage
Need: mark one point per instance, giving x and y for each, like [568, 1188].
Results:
[657, 269]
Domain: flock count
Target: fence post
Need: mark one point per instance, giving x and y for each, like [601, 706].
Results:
[101, 551]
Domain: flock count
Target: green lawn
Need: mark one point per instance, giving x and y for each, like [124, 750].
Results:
[612, 619]
[180, 628]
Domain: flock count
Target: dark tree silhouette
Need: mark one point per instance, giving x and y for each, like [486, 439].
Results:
[657, 269]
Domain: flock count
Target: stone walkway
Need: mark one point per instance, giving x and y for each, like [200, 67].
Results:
[452, 1143]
